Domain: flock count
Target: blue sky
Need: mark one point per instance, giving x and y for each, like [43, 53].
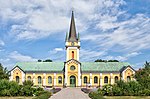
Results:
[109, 29]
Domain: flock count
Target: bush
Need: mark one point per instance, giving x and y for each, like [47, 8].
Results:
[44, 95]
[95, 95]
[9, 88]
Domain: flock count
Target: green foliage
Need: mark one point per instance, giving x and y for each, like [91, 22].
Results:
[95, 95]
[9, 88]
[3, 72]
[39, 60]
[100, 60]
[44, 95]
[47, 60]
[28, 82]
[143, 76]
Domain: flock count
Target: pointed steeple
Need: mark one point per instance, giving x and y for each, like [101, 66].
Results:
[72, 31]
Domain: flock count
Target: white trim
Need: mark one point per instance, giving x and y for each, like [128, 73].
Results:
[11, 76]
[44, 80]
[79, 43]
[111, 78]
[101, 80]
[90, 78]
[66, 74]
[54, 79]
[77, 54]
[34, 78]
[79, 75]
[23, 76]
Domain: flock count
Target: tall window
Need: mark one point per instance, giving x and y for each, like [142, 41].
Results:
[29, 78]
[95, 79]
[128, 78]
[39, 80]
[116, 79]
[60, 80]
[105, 79]
[17, 79]
[85, 79]
[72, 54]
[49, 80]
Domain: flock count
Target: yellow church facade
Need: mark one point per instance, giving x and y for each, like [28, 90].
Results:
[72, 72]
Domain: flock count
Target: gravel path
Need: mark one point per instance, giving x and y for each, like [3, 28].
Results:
[70, 93]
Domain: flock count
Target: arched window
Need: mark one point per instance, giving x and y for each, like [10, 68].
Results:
[60, 80]
[29, 77]
[128, 78]
[72, 54]
[105, 79]
[17, 79]
[39, 80]
[116, 79]
[95, 79]
[85, 79]
[49, 80]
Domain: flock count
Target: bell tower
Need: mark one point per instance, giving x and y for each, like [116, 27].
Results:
[72, 42]
[72, 64]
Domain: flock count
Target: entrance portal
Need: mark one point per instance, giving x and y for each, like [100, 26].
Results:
[72, 81]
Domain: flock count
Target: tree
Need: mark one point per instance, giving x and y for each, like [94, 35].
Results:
[3, 72]
[100, 60]
[143, 76]
[39, 60]
[47, 60]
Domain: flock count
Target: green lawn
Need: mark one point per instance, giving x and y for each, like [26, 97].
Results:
[17, 97]
[127, 97]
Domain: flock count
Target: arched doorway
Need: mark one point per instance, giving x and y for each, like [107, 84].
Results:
[72, 81]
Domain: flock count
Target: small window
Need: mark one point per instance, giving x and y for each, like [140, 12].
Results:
[116, 79]
[128, 78]
[85, 79]
[95, 79]
[105, 79]
[39, 80]
[60, 80]
[17, 79]
[49, 80]
[72, 54]
[29, 77]
[72, 67]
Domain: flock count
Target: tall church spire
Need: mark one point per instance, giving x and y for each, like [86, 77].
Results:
[72, 31]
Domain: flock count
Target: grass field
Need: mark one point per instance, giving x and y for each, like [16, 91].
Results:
[106, 97]
[17, 97]
[127, 97]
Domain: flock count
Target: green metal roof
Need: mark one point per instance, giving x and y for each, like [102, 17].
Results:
[41, 66]
[103, 66]
[85, 66]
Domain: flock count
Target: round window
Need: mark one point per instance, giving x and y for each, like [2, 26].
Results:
[72, 68]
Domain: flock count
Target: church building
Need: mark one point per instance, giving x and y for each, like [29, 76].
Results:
[72, 72]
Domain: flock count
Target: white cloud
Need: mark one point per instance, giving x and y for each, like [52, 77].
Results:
[122, 58]
[90, 55]
[38, 19]
[57, 54]
[59, 49]
[19, 57]
[2, 43]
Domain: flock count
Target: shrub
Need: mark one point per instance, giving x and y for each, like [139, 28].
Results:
[28, 82]
[95, 95]
[44, 95]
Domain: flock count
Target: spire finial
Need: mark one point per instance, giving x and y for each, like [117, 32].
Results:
[72, 31]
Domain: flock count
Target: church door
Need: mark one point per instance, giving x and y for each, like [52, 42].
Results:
[72, 81]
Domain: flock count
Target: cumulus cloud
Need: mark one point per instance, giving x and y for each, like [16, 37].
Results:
[16, 56]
